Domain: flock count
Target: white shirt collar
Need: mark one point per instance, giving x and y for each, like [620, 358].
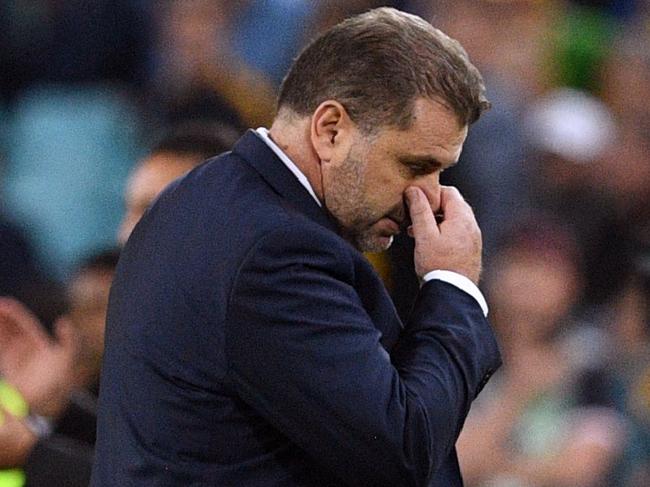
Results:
[263, 133]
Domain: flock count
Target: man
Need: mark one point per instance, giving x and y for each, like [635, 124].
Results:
[249, 343]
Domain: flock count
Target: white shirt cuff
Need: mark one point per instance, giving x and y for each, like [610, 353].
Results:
[461, 282]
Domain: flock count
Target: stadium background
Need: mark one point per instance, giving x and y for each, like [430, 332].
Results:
[558, 173]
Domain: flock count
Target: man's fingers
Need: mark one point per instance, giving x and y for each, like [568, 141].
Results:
[454, 244]
[452, 203]
[422, 218]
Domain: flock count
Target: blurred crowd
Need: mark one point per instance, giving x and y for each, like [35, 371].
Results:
[104, 102]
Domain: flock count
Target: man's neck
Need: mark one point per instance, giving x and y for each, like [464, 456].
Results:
[293, 138]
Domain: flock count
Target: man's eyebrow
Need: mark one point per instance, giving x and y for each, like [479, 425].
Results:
[425, 161]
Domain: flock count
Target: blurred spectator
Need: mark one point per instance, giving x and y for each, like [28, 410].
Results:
[624, 173]
[625, 74]
[569, 131]
[530, 427]
[509, 41]
[573, 126]
[197, 74]
[622, 176]
[629, 324]
[58, 379]
[88, 298]
[184, 148]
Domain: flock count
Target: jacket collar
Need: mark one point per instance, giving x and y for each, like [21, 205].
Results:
[260, 156]
[253, 150]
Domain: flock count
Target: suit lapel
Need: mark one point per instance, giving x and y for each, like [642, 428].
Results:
[372, 292]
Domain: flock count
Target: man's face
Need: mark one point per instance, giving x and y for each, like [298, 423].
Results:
[146, 182]
[364, 188]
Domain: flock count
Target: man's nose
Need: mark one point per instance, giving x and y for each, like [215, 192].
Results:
[430, 184]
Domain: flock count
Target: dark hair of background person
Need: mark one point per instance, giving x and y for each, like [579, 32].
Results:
[200, 139]
[641, 272]
[377, 64]
[21, 276]
[105, 260]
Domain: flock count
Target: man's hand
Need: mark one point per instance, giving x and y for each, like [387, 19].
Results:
[453, 245]
[40, 368]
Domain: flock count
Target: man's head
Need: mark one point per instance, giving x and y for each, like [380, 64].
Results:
[377, 65]
[182, 150]
[388, 99]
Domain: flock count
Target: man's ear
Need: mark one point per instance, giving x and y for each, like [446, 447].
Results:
[330, 130]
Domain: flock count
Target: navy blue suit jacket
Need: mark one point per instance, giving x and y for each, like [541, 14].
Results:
[248, 344]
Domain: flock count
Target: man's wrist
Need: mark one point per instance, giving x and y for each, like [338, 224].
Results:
[461, 282]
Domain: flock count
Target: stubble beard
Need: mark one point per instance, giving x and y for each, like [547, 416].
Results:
[348, 204]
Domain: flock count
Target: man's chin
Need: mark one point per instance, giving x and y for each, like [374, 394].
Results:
[374, 243]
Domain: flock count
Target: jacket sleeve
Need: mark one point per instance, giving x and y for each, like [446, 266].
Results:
[304, 353]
